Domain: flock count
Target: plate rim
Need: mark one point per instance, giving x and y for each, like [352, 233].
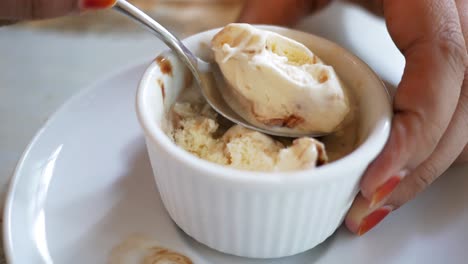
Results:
[12, 188]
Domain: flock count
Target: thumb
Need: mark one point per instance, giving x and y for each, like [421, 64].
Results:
[278, 12]
[38, 9]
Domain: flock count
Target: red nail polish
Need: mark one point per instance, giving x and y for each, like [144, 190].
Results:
[385, 190]
[96, 4]
[373, 219]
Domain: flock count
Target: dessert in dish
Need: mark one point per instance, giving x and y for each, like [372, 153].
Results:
[279, 82]
[198, 129]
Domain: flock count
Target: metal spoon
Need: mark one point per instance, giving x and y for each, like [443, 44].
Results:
[207, 75]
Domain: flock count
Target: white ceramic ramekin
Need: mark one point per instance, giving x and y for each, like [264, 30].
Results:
[255, 214]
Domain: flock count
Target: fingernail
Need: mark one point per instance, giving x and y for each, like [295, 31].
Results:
[373, 219]
[386, 189]
[96, 4]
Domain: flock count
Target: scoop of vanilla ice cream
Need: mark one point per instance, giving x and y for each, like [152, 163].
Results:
[276, 82]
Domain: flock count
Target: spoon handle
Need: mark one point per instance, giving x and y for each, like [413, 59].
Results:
[161, 32]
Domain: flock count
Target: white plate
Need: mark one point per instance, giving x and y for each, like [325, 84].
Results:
[84, 184]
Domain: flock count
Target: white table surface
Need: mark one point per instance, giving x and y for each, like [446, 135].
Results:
[42, 66]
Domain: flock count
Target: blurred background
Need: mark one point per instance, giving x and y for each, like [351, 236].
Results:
[181, 16]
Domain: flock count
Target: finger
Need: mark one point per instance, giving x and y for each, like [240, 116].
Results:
[6, 22]
[278, 12]
[428, 94]
[463, 157]
[30, 9]
[36, 9]
[462, 6]
[374, 6]
[366, 213]
[459, 141]
[363, 217]
[449, 148]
